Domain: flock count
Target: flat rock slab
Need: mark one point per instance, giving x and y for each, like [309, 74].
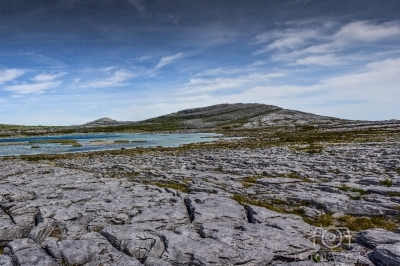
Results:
[276, 181]
[26, 252]
[387, 254]
[376, 237]
[204, 207]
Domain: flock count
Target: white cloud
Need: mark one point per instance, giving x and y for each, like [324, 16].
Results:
[291, 39]
[40, 83]
[321, 45]
[220, 71]
[35, 88]
[201, 85]
[366, 32]
[10, 74]
[378, 82]
[165, 60]
[47, 77]
[320, 60]
[117, 78]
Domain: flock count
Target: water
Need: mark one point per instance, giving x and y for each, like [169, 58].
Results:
[98, 142]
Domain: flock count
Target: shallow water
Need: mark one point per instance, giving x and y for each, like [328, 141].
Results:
[98, 142]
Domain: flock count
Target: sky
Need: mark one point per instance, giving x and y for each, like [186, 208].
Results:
[65, 62]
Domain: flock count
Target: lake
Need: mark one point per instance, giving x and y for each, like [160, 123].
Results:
[97, 142]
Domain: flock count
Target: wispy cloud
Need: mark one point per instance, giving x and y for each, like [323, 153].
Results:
[47, 77]
[286, 40]
[10, 74]
[38, 85]
[215, 84]
[320, 60]
[165, 60]
[115, 79]
[35, 88]
[367, 32]
[323, 45]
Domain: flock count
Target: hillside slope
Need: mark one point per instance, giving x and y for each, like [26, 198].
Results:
[242, 116]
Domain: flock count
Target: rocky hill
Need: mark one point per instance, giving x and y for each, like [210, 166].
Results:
[105, 122]
[256, 116]
[239, 115]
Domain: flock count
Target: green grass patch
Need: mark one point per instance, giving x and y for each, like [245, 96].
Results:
[121, 141]
[316, 257]
[249, 181]
[1, 250]
[346, 188]
[71, 142]
[357, 197]
[397, 170]
[256, 202]
[250, 200]
[386, 182]
[323, 220]
[355, 223]
[176, 186]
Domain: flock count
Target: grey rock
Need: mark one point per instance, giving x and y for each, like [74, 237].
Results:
[137, 244]
[5, 260]
[184, 249]
[166, 216]
[41, 232]
[378, 236]
[94, 250]
[8, 230]
[288, 222]
[156, 262]
[214, 208]
[387, 254]
[25, 252]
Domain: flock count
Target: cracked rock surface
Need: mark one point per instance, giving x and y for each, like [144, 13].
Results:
[123, 210]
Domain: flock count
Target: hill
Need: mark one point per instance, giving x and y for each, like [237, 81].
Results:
[222, 117]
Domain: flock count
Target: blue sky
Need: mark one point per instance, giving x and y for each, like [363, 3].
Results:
[70, 62]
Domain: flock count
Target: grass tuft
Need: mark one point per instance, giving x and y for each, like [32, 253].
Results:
[323, 220]
[172, 185]
[355, 223]
[121, 141]
[249, 181]
[386, 182]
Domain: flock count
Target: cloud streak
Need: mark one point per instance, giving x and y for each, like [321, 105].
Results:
[37, 85]
[317, 45]
[116, 79]
[166, 60]
[10, 74]
[35, 88]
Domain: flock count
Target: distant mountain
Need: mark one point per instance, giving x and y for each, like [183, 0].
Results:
[251, 116]
[105, 122]
[239, 115]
